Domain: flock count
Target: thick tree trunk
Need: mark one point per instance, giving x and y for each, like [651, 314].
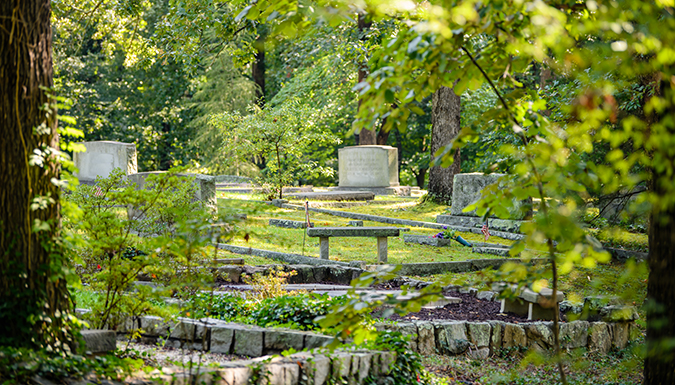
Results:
[258, 72]
[33, 296]
[659, 368]
[365, 137]
[445, 126]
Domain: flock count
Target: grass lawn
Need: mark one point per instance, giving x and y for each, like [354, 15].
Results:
[617, 368]
[263, 236]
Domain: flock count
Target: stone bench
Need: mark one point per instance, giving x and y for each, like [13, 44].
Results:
[381, 233]
[537, 306]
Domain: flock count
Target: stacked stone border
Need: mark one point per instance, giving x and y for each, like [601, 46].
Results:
[479, 340]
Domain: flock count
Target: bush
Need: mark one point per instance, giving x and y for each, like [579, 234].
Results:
[297, 311]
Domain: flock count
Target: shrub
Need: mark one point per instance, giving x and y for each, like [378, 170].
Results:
[296, 311]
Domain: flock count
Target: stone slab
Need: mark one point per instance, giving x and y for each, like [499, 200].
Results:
[289, 224]
[368, 166]
[353, 232]
[399, 191]
[99, 341]
[467, 191]
[507, 225]
[334, 196]
[101, 157]
[205, 191]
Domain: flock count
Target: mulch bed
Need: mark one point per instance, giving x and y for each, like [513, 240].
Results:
[470, 309]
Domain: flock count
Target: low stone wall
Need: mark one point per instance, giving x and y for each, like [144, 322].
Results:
[431, 268]
[285, 257]
[479, 340]
[219, 336]
[340, 367]
[342, 275]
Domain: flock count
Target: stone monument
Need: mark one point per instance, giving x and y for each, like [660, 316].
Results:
[101, 157]
[370, 168]
[205, 185]
[467, 191]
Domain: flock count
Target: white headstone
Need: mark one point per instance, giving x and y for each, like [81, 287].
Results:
[368, 166]
[102, 157]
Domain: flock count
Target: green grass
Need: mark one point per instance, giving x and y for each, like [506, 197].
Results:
[617, 368]
[263, 236]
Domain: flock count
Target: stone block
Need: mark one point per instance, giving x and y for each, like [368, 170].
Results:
[281, 373]
[426, 340]
[230, 273]
[277, 341]
[386, 362]
[248, 340]
[341, 365]
[409, 330]
[478, 353]
[539, 335]
[183, 330]
[574, 334]
[467, 191]
[368, 166]
[221, 340]
[600, 338]
[101, 157]
[451, 337]
[154, 326]
[99, 341]
[486, 295]
[316, 369]
[233, 374]
[313, 340]
[496, 336]
[479, 333]
[360, 368]
[355, 223]
[620, 334]
[514, 336]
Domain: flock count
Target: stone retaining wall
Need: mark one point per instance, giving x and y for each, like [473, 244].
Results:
[340, 367]
[222, 337]
[479, 340]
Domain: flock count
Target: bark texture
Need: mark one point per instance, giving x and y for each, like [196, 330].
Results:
[33, 294]
[258, 71]
[445, 126]
[365, 137]
[659, 368]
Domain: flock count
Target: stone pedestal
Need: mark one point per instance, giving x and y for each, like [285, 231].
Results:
[102, 157]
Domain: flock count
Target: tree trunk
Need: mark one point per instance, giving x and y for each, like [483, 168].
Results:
[34, 301]
[659, 368]
[445, 125]
[258, 72]
[366, 137]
